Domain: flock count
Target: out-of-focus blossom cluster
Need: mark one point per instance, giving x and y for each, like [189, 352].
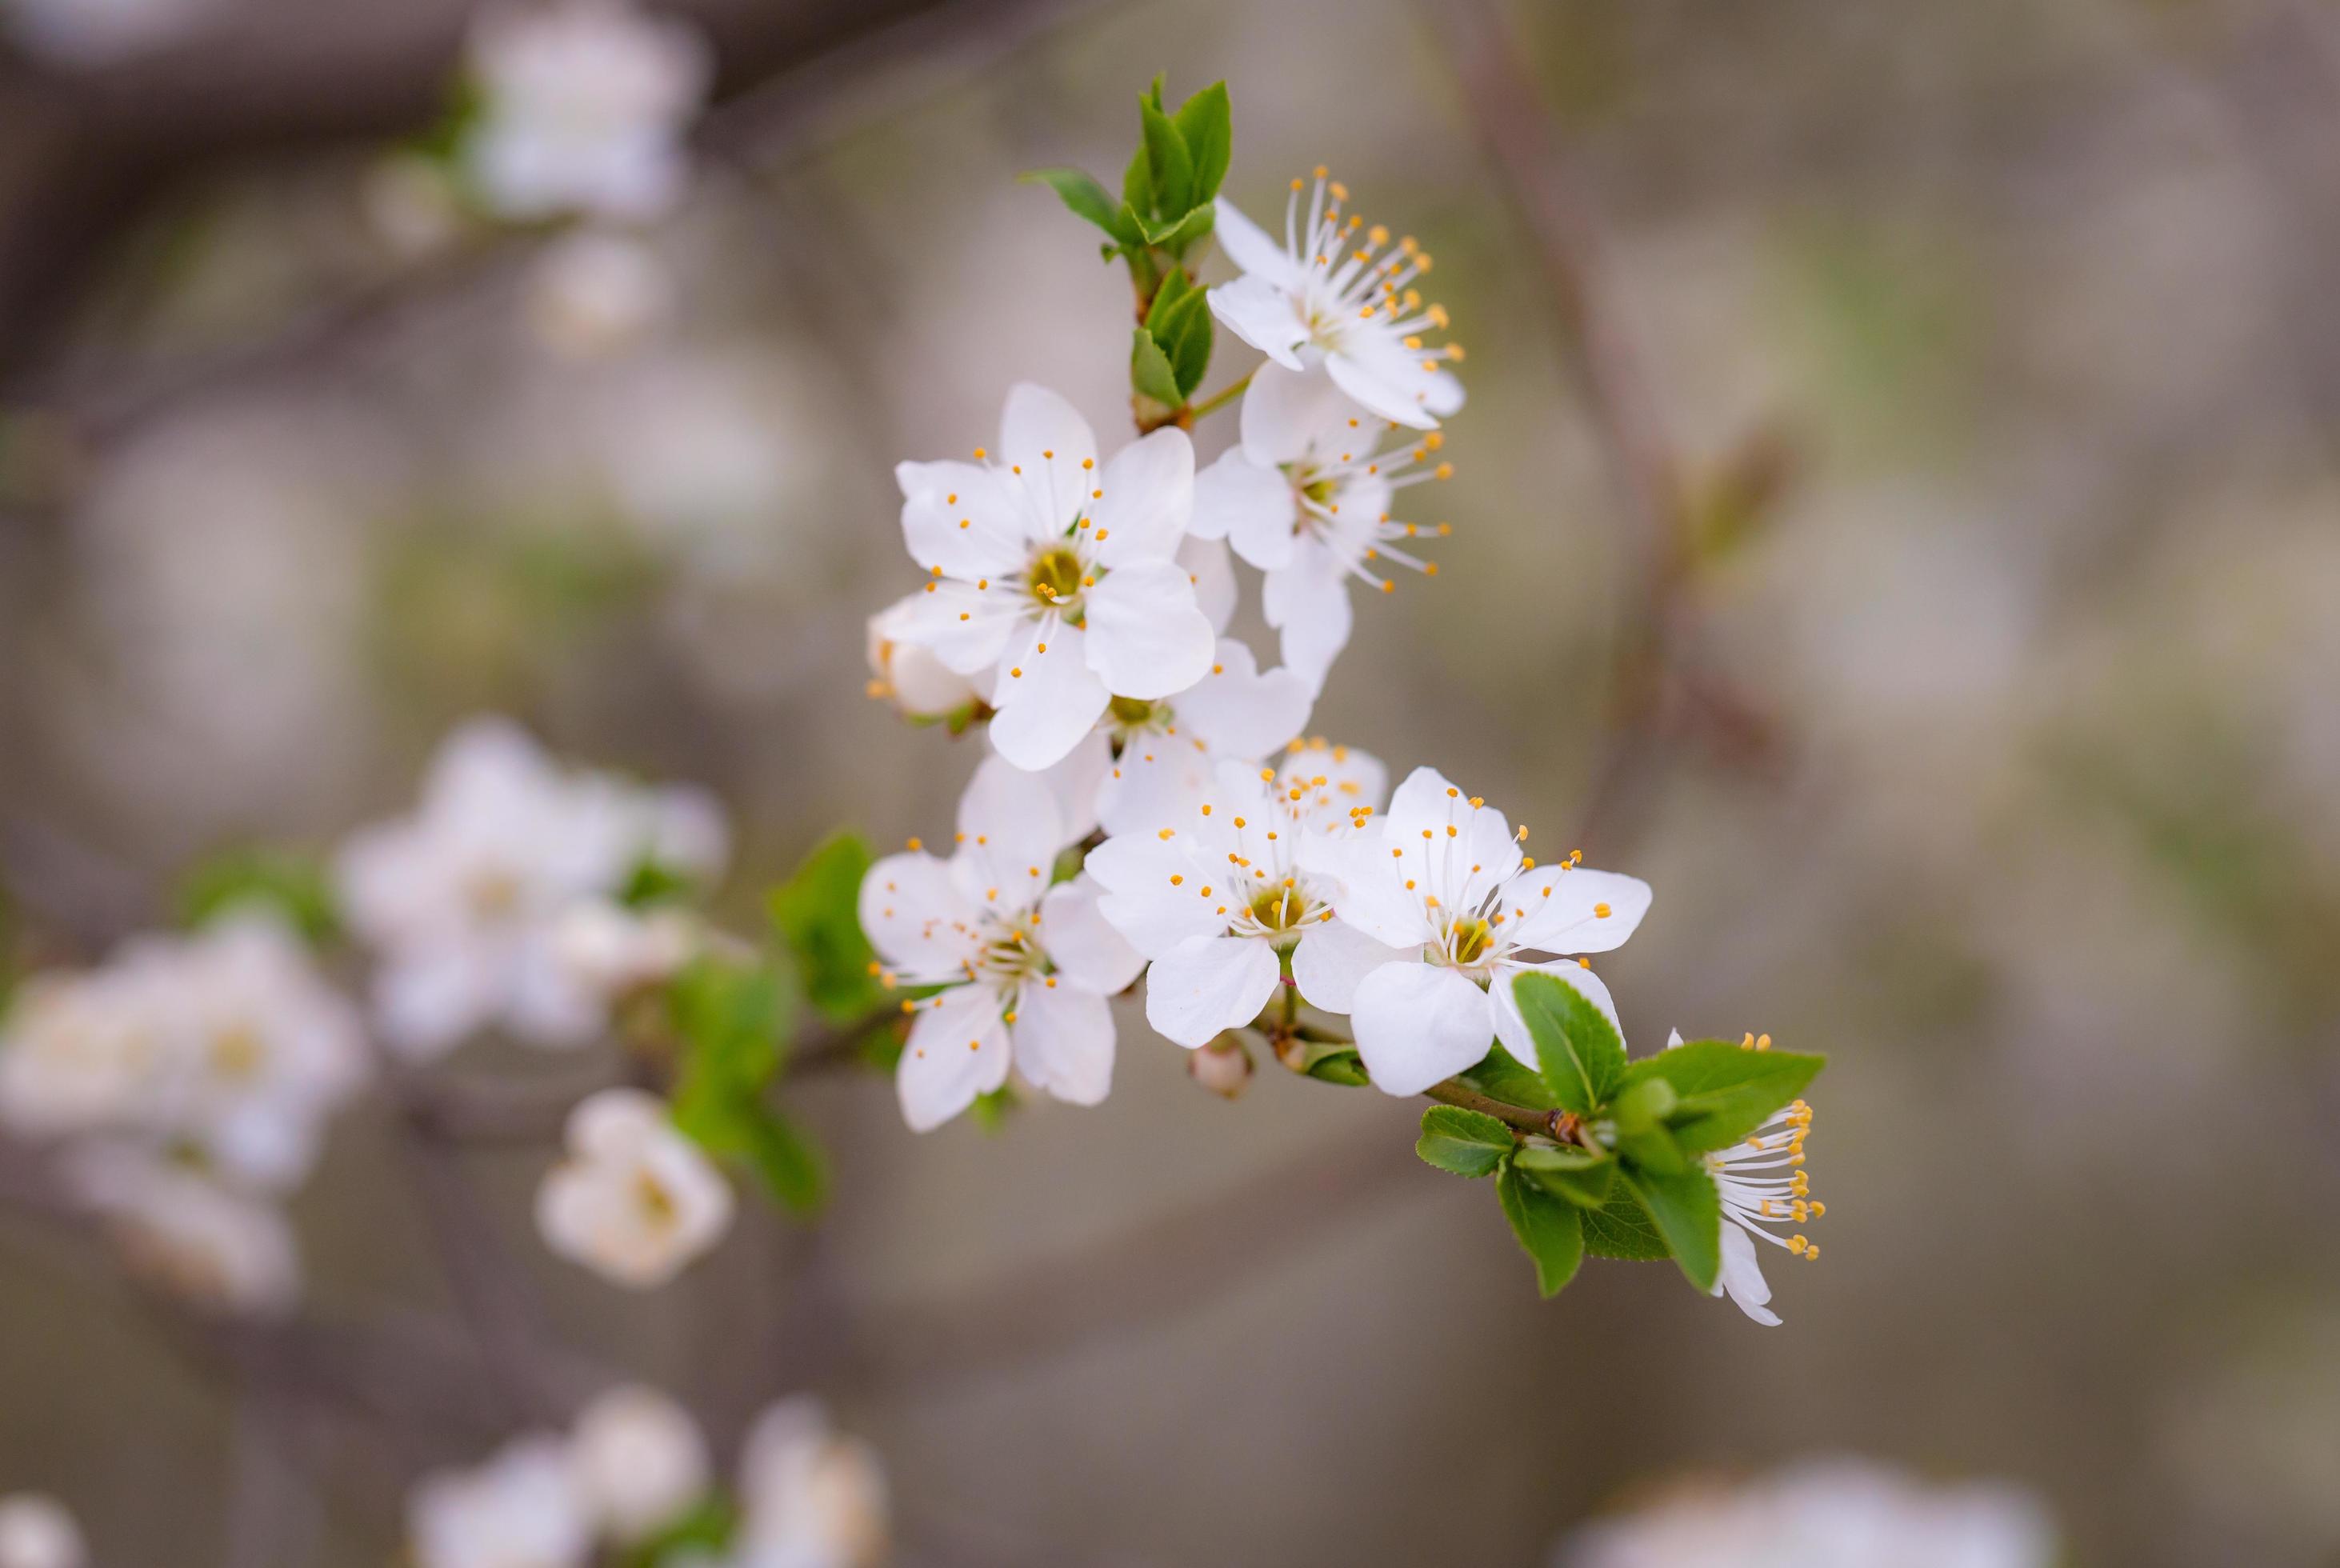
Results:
[506, 899]
[635, 1200]
[35, 1532]
[1842, 1514]
[192, 1079]
[633, 1474]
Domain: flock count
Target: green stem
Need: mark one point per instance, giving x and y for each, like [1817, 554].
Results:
[1224, 396]
[1451, 1093]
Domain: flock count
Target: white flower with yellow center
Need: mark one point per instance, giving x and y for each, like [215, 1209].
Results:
[585, 102]
[1764, 1192]
[1305, 497]
[1224, 895]
[809, 1496]
[463, 900]
[521, 1509]
[1337, 290]
[1026, 968]
[635, 1201]
[1460, 912]
[1063, 576]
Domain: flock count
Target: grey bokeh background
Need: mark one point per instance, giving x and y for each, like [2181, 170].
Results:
[2040, 844]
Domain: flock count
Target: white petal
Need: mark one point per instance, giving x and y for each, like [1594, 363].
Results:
[1457, 851]
[1047, 701]
[1237, 711]
[1063, 1041]
[1418, 1023]
[1369, 890]
[1249, 506]
[1308, 603]
[1075, 782]
[1208, 985]
[956, 1051]
[428, 1000]
[1141, 902]
[1251, 247]
[1047, 438]
[1009, 833]
[1512, 1029]
[1081, 943]
[1334, 959]
[1742, 1276]
[914, 916]
[1147, 637]
[1574, 911]
[960, 624]
[970, 533]
[546, 1002]
[1155, 783]
[1212, 572]
[1389, 381]
[1289, 415]
[1148, 500]
[1263, 316]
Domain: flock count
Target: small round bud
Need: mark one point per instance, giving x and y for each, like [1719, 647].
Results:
[1224, 1067]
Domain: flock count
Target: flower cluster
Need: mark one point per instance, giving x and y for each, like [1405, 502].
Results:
[1147, 815]
[633, 1475]
[190, 1079]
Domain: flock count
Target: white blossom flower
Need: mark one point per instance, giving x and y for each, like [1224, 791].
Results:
[1832, 1513]
[521, 1509]
[810, 1498]
[35, 1532]
[595, 292]
[585, 102]
[1334, 292]
[81, 1052]
[1222, 896]
[639, 1462]
[210, 1244]
[614, 950]
[1762, 1184]
[636, 1200]
[1305, 497]
[911, 677]
[1061, 577]
[1026, 968]
[463, 898]
[1443, 886]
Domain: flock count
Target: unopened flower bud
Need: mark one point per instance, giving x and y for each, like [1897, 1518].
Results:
[911, 678]
[1224, 1067]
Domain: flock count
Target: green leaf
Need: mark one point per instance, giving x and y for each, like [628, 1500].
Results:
[1724, 1090]
[1205, 124]
[735, 1021]
[1621, 1228]
[1137, 190]
[1580, 1175]
[1150, 373]
[1641, 1105]
[818, 912]
[291, 888]
[1688, 1212]
[1176, 287]
[1175, 237]
[1467, 1143]
[1582, 1057]
[792, 1167]
[1546, 1226]
[1168, 163]
[1185, 339]
[1500, 1076]
[705, 1528]
[1088, 200]
[1336, 1065]
[653, 882]
[1652, 1149]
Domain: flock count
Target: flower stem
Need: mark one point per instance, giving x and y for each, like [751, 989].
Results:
[1224, 396]
[1451, 1093]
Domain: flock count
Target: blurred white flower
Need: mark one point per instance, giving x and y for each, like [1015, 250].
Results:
[594, 292]
[1329, 294]
[1019, 960]
[227, 1043]
[635, 1201]
[639, 1461]
[1305, 497]
[1063, 576]
[809, 1498]
[521, 1509]
[214, 1245]
[910, 676]
[1439, 887]
[1222, 895]
[586, 102]
[87, 34]
[464, 898]
[612, 950]
[36, 1532]
[1841, 1513]
[1762, 1184]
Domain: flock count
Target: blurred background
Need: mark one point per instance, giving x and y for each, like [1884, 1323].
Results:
[1995, 753]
